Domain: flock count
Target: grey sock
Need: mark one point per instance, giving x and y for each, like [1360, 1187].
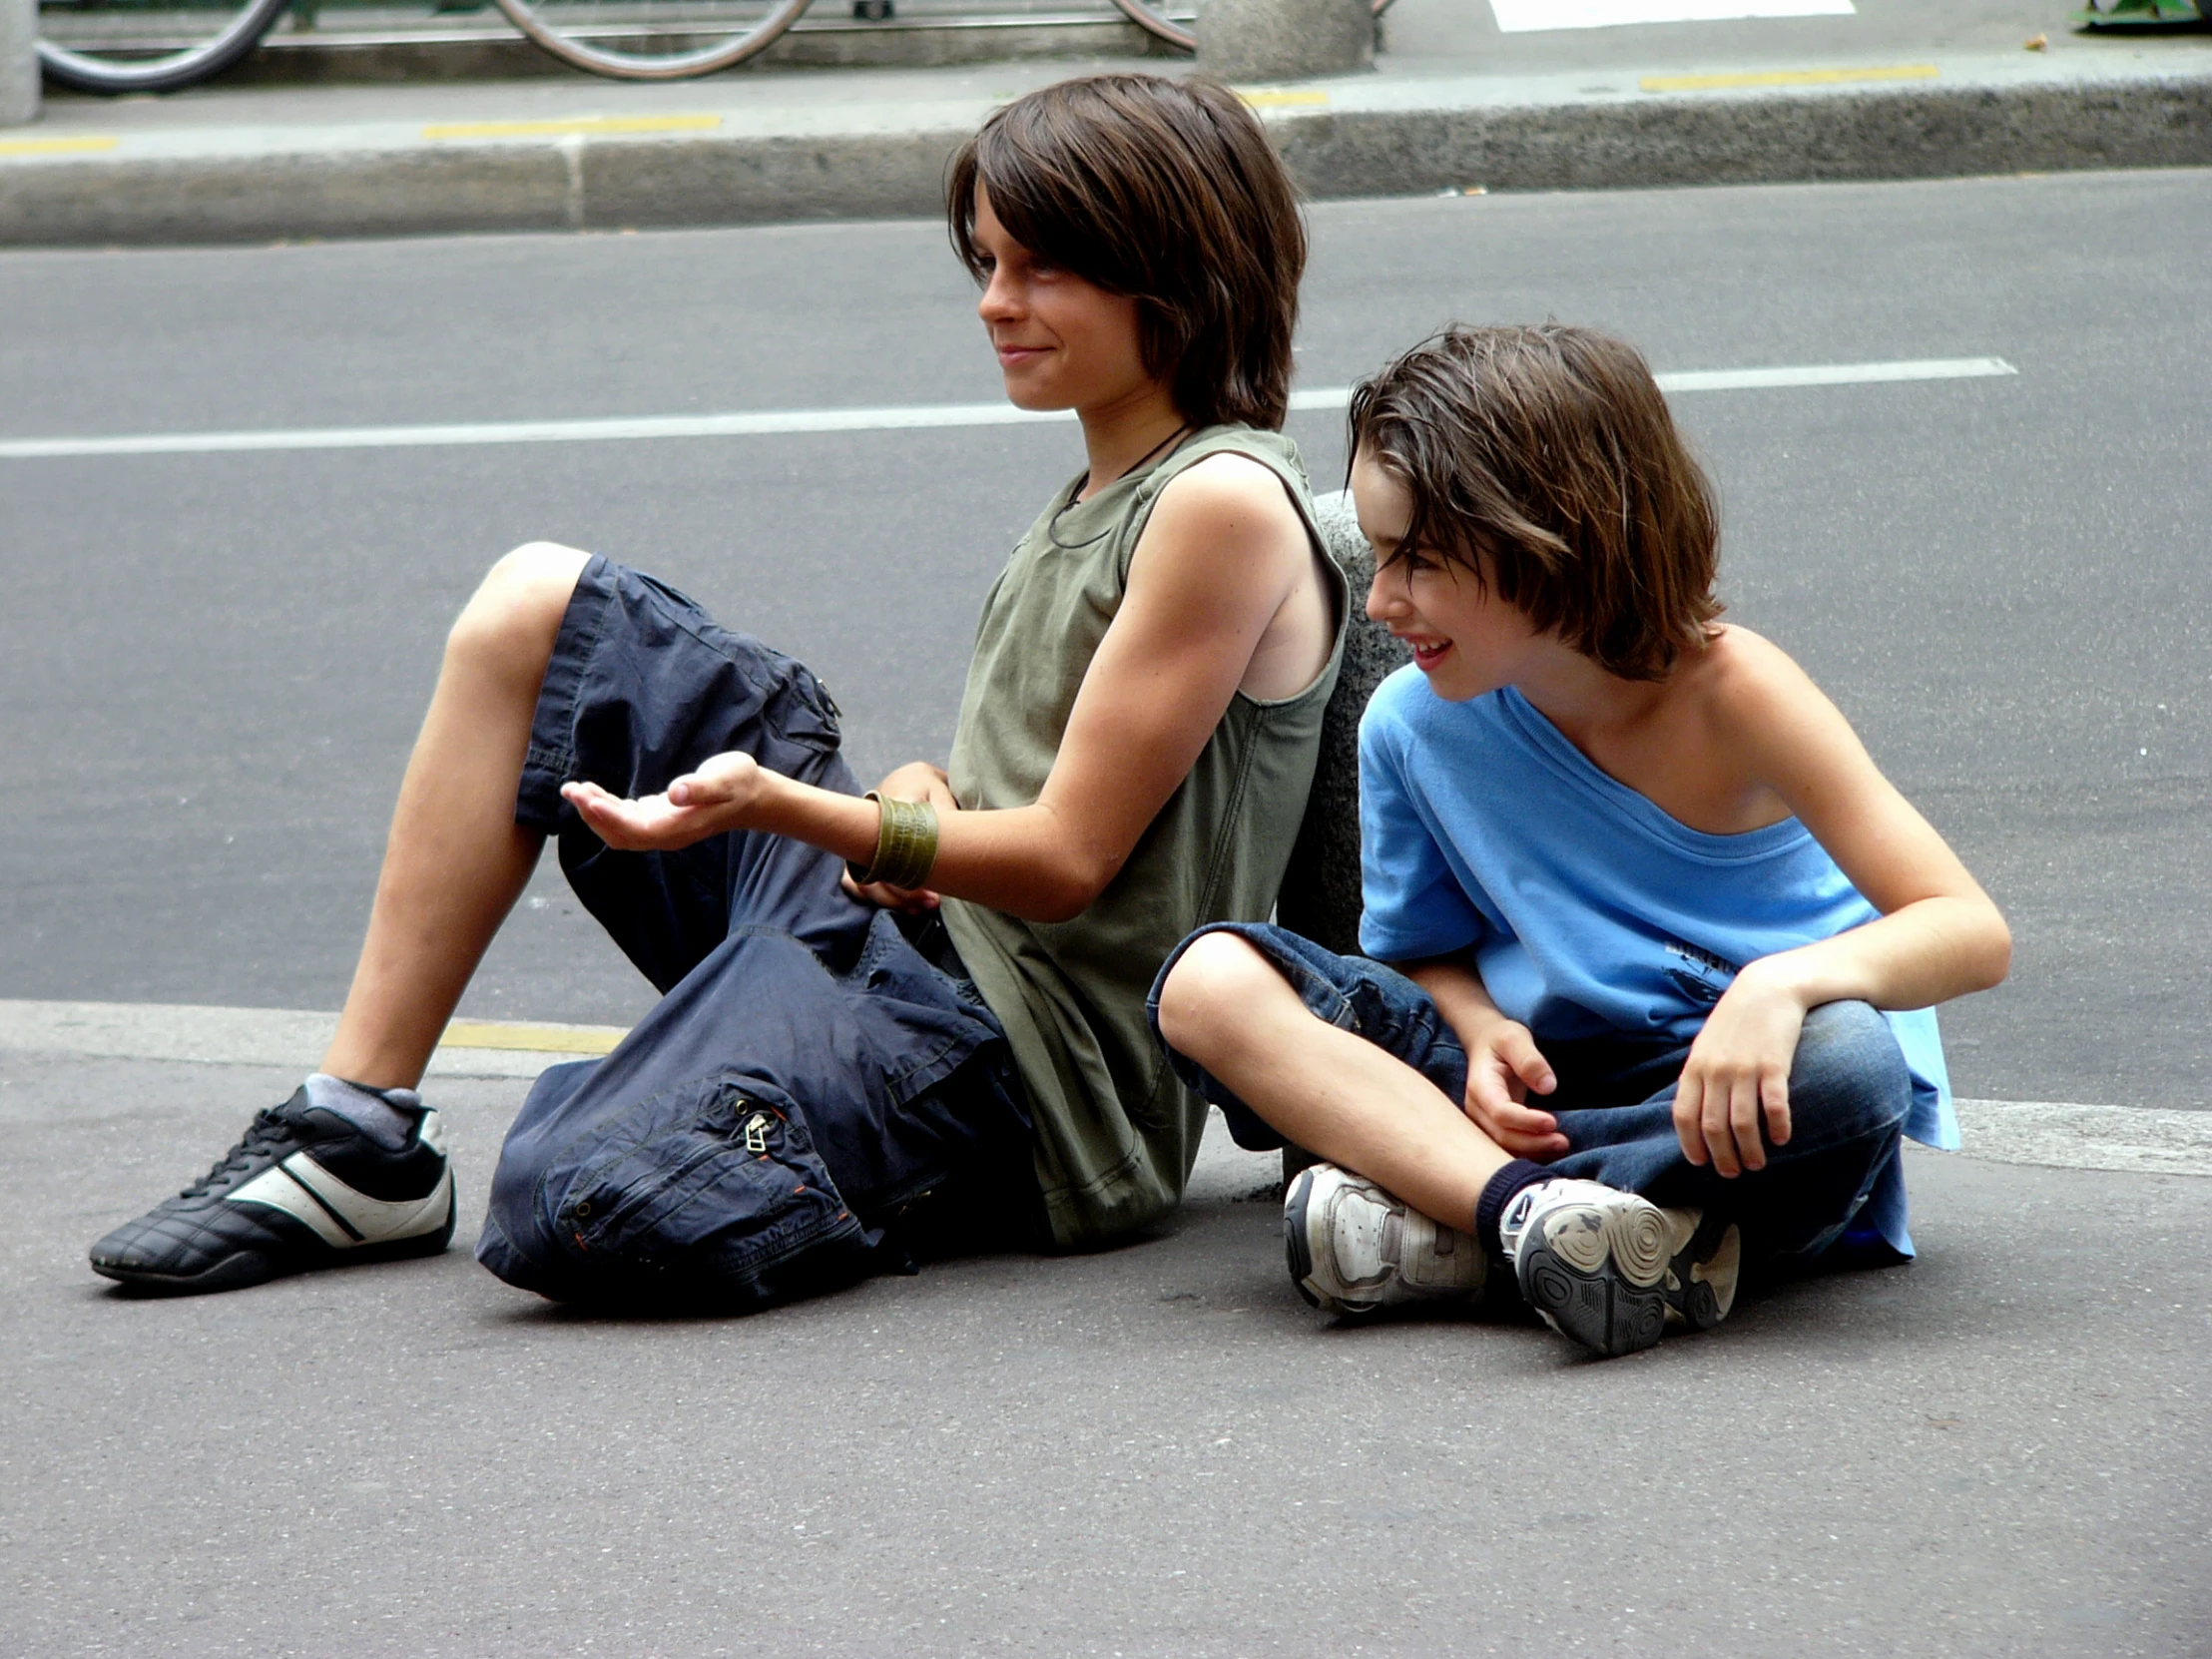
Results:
[376, 1113]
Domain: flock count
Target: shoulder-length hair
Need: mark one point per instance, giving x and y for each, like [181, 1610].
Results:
[1167, 192]
[1545, 459]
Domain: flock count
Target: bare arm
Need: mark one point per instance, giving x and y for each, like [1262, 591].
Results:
[1504, 1062]
[1223, 552]
[1939, 935]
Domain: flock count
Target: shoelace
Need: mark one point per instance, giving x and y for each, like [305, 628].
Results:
[263, 1135]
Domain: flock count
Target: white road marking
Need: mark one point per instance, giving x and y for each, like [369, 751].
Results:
[1528, 16]
[2059, 1134]
[783, 423]
[1836, 374]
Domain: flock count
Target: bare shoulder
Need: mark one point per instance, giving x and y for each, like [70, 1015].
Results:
[1744, 678]
[1229, 494]
[1756, 703]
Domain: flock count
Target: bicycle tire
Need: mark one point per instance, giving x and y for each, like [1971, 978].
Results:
[1146, 15]
[568, 40]
[85, 71]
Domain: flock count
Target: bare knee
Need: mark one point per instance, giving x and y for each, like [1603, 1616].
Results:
[509, 624]
[1211, 991]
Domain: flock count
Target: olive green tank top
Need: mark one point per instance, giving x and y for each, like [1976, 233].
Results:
[1116, 1134]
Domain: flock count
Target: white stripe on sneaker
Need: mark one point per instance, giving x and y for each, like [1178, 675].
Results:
[340, 1215]
[279, 1190]
[374, 1220]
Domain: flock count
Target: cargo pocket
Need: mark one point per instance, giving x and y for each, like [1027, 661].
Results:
[711, 1194]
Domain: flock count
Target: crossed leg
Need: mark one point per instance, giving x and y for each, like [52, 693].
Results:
[456, 861]
[1340, 1096]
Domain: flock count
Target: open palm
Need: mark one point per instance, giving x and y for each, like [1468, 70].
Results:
[698, 805]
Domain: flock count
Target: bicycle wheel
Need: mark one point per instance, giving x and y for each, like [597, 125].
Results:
[653, 40]
[1151, 16]
[147, 45]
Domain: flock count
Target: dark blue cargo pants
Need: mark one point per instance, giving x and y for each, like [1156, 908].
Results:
[821, 1082]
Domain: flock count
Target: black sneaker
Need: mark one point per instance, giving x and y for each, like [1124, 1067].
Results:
[304, 1189]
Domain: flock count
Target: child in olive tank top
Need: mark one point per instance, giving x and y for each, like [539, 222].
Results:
[895, 1023]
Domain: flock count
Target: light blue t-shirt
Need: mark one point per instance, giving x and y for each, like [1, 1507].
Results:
[1587, 910]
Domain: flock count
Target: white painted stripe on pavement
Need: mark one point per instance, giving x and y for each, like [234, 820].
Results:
[767, 422]
[1836, 374]
[1528, 16]
[2059, 1134]
[783, 423]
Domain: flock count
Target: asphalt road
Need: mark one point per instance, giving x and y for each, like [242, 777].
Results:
[213, 665]
[211, 669]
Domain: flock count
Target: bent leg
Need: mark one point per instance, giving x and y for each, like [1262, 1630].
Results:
[1231, 1010]
[644, 686]
[1849, 1090]
[456, 861]
[788, 1095]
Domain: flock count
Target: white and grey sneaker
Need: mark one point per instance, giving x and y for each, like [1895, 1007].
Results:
[1702, 1269]
[1354, 1249]
[1613, 1271]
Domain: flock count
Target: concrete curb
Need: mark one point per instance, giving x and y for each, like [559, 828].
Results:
[598, 183]
[2055, 1134]
[284, 1037]
[1906, 132]
[1379, 135]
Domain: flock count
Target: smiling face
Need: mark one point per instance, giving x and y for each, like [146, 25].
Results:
[1464, 638]
[1063, 342]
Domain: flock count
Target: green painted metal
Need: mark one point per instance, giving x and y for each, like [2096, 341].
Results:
[2140, 14]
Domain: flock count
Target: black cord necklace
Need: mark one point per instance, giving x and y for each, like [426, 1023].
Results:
[1165, 445]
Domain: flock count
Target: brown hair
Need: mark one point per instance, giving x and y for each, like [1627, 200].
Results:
[1544, 459]
[1167, 192]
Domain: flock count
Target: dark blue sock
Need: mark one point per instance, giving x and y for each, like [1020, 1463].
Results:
[1497, 1194]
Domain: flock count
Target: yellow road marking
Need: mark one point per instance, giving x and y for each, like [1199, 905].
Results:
[56, 146]
[532, 1039]
[1261, 99]
[564, 129]
[1789, 78]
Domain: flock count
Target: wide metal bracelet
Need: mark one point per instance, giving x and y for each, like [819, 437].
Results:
[905, 843]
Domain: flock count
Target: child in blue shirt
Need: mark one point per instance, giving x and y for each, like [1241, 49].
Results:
[1664, 943]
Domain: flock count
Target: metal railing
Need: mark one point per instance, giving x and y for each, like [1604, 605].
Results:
[159, 45]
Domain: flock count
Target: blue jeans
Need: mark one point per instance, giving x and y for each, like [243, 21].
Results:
[819, 1080]
[1849, 1091]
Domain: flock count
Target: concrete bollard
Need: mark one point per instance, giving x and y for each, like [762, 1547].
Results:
[1276, 40]
[1321, 888]
[18, 62]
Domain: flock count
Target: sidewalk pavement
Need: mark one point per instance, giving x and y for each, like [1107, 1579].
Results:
[1999, 1450]
[1898, 88]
